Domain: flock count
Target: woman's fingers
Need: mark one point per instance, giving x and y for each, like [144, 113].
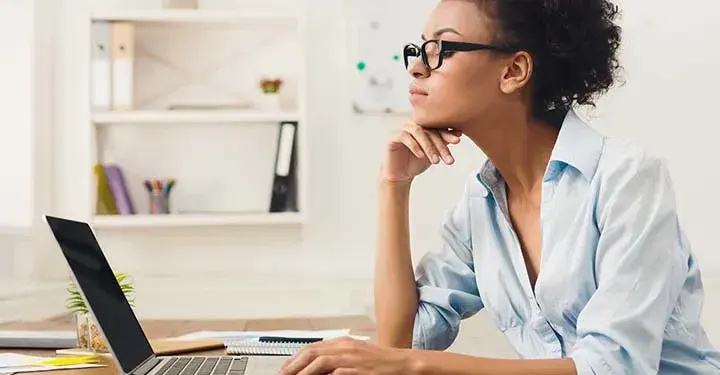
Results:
[430, 143]
[409, 141]
[428, 146]
[450, 136]
[441, 146]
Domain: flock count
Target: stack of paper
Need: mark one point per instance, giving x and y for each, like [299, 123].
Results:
[11, 363]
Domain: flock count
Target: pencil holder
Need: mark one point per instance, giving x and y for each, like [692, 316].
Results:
[89, 337]
[159, 203]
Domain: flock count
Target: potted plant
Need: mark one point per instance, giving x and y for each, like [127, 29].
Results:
[270, 88]
[88, 334]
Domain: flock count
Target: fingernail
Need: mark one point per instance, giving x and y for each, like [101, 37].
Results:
[449, 159]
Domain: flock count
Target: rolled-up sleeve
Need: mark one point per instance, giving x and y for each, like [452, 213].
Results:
[640, 270]
[447, 288]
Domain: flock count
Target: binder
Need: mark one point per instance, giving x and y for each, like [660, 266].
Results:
[104, 201]
[101, 69]
[118, 187]
[284, 187]
[122, 54]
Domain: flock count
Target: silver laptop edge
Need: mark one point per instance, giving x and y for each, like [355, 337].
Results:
[100, 328]
[256, 365]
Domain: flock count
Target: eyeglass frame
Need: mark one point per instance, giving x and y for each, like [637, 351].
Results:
[451, 46]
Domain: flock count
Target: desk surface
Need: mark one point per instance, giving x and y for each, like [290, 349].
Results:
[158, 329]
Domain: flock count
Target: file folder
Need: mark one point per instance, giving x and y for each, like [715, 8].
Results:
[122, 54]
[101, 68]
[118, 188]
[284, 188]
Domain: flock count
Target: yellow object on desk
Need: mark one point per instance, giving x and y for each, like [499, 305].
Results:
[14, 363]
[69, 361]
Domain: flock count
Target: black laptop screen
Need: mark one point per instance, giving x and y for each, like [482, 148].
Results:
[102, 292]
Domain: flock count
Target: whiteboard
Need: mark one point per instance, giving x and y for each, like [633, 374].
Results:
[378, 30]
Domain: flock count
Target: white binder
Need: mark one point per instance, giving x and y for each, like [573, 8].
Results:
[100, 80]
[122, 54]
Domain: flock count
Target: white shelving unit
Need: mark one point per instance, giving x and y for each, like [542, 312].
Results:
[192, 117]
[196, 16]
[125, 136]
[196, 220]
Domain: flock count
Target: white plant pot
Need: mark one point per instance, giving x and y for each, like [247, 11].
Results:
[180, 4]
[269, 102]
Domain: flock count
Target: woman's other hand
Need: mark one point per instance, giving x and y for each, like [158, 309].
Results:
[413, 149]
[349, 356]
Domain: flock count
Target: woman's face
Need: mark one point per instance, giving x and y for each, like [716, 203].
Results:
[467, 83]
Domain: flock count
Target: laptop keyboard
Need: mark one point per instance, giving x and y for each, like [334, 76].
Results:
[204, 366]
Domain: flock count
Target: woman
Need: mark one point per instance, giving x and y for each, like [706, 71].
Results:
[569, 239]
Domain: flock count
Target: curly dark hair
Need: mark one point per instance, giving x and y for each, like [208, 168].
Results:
[573, 44]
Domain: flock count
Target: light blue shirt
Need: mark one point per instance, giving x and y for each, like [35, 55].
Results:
[618, 290]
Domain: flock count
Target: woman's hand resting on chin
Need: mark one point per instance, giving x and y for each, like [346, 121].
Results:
[413, 149]
[347, 356]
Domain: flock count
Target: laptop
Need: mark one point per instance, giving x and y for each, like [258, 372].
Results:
[118, 324]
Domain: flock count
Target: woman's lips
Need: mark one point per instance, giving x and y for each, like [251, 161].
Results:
[415, 90]
[417, 95]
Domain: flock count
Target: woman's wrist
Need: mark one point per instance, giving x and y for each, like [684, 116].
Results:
[415, 363]
[398, 186]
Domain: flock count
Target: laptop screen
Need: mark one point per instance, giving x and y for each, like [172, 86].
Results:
[102, 292]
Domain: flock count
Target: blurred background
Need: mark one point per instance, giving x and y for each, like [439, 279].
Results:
[167, 123]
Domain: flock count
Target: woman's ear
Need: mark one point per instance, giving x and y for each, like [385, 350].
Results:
[517, 73]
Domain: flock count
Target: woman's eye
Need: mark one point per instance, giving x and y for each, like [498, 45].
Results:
[448, 53]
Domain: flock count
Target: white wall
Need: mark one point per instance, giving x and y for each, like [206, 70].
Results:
[25, 104]
[16, 132]
[666, 103]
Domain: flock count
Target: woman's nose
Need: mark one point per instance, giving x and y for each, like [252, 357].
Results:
[417, 69]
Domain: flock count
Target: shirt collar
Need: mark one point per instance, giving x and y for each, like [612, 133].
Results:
[577, 145]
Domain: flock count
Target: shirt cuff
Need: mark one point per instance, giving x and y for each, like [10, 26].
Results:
[590, 364]
[419, 339]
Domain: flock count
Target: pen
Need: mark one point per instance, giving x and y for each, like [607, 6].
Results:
[169, 185]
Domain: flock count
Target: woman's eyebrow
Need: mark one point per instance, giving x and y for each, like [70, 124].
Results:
[444, 30]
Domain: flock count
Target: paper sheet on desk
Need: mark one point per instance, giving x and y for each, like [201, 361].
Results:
[12, 363]
[235, 335]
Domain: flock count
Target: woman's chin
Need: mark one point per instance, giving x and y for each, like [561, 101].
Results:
[422, 117]
[426, 120]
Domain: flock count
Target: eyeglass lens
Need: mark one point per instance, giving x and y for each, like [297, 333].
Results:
[431, 53]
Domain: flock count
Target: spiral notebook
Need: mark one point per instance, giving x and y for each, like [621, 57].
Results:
[275, 346]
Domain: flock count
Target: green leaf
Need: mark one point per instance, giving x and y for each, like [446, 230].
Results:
[76, 303]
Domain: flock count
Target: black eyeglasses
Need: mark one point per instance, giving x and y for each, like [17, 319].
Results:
[434, 51]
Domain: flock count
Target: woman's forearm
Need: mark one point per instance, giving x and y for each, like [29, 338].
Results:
[396, 300]
[442, 363]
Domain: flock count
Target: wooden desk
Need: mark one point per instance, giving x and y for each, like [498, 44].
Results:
[157, 329]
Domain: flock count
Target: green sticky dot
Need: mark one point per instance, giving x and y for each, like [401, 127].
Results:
[361, 65]
[396, 57]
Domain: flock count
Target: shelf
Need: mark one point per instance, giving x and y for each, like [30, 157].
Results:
[196, 220]
[193, 16]
[188, 117]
